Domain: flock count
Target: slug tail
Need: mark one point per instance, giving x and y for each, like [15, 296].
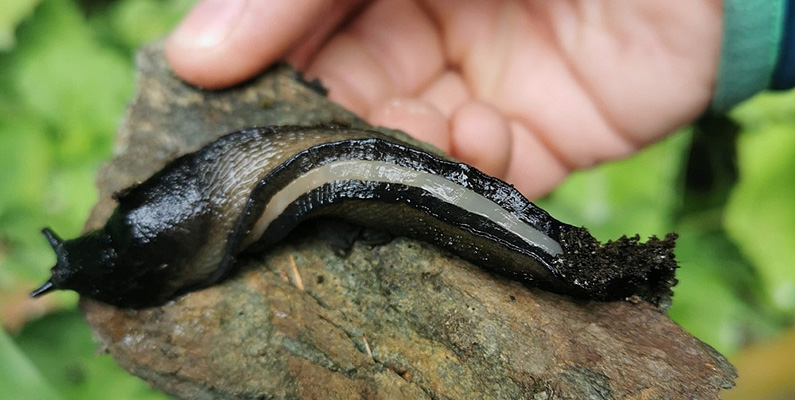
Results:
[619, 268]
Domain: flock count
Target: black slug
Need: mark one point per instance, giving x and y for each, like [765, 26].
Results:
[182, 228]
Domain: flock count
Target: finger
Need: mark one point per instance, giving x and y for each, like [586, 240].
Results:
[343, 66]
[447, 93]
[415, 117]
[640, 56]
[533, 168]
[391, 50]
[481, 137]
[537, 88]
[223, 42]
[305, 50]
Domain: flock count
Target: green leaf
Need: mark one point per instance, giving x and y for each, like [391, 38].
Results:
[34, 194]
[24, 158]
[61, 96]
[137, 22]
[63, 89]
[74, 84]
[61, 346]
[11, 13]
[636, 195]
[715, 284]
[766, 108]
[25, 153]
[760, 214]
[19, 378]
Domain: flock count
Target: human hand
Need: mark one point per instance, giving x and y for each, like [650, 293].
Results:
[525, 91]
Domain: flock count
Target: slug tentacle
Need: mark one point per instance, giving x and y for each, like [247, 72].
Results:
[53, 239]
[183, 228]
[43, 289]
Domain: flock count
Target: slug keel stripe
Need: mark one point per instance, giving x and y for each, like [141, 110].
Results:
[379, 171]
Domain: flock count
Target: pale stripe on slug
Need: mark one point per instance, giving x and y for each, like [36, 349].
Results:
[379, 171]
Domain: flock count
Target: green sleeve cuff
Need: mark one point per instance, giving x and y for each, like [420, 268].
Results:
[752, 31]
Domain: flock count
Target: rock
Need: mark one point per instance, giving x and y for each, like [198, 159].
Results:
[397, 321]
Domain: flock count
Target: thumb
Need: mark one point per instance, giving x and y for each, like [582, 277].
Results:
[224, 42]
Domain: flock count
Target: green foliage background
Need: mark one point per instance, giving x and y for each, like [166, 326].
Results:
[66, 73]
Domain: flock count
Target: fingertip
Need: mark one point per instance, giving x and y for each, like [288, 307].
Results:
[353, 77]
[201, 69]
[415, 117]
[201, 37]
[533, 168]
[447, 92]
[481, 137]
[343, 94]
[224, 42]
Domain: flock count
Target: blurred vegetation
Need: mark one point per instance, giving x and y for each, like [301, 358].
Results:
[727, 186]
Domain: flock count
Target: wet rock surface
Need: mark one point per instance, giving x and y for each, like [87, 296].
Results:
[396, 321]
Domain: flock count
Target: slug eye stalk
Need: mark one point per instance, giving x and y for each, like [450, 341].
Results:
[54, 240]
[57, 245]
[43, 289]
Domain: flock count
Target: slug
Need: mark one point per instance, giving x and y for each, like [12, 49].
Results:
[183, 228]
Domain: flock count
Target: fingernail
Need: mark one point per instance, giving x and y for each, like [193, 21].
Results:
[209, 23]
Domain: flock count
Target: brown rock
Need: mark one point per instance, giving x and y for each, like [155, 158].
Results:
[398, 321]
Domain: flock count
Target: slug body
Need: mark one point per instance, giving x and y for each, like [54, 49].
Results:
[183, 228]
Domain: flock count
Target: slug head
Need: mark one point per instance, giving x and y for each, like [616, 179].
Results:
[96, 266]
[82, 264]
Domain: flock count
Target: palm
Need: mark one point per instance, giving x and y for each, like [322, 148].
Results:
[526, 91]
